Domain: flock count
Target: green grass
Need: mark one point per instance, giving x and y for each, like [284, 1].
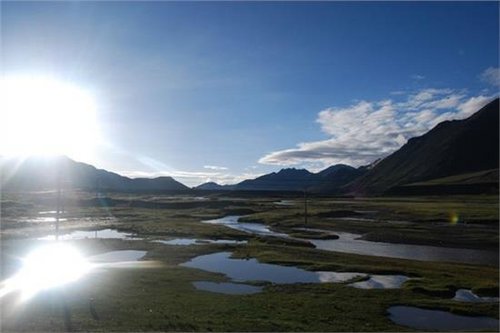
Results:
[487, 176]
[160, 297]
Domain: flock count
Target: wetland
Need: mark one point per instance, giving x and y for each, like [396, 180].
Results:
[226, 263]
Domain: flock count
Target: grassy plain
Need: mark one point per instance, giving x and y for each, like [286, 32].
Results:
[158, 294]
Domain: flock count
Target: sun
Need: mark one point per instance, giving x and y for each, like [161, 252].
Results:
[45, 116]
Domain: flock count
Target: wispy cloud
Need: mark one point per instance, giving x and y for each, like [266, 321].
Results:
[398, 92]
[214, 167]
[152, 168]
[193, 178]
[491, 75]
[417, 77]
[367, 130]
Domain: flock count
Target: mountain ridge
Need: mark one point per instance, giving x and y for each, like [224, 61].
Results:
[293, 179]
[452, 147]
[37, 173]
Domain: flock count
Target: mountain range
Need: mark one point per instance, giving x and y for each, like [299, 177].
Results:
[456, 147]
[291, 179]
[38, 173]
[455, 156]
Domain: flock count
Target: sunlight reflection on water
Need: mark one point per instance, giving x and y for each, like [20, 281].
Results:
[58, 264]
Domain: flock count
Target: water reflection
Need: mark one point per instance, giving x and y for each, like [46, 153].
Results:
[46, 219]
[79, 234]
[252, 270]
[46, 267]
[47, 212]
[381, 282]
[57, 264]
[350, 243]
[196, 241]
[231, 221]
[466, 295]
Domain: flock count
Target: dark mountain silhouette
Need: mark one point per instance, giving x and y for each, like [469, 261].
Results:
[290, 179]
[212, 186]
[332, 170]
[209, 186]
[38, 173]
[332, 179]
[451, 148]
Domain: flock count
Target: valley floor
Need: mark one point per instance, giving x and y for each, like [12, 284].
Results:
[158, 292]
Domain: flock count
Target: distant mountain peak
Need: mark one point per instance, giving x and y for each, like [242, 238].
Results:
[293, 171]
[333, 169]
[213, 186]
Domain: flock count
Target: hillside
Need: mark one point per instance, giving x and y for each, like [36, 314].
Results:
[332, 179]
[481, 182]
[451, 148]
[39, 173]
[289, 179]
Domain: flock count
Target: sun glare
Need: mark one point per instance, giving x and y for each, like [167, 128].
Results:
[49, 266]
[44, 116]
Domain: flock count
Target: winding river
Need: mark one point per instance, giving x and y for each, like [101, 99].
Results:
[351, 243]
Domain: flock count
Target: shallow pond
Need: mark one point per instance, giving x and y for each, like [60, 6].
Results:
[381, 282]
[79, 234]
[424, 319]
[466, 295]
[253, 228]
[196, 241]
[253, 270]
[227, 287]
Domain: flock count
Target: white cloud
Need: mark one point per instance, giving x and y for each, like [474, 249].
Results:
[367, 130]
[423, 97]
[214, 167]
[417, 77]
[473, 104]
[446, 102]
[491, 75]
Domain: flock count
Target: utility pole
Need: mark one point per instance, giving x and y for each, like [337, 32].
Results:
[305, 206]
[58, 201]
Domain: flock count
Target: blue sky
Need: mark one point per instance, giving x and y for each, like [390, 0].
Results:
[224, 91]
